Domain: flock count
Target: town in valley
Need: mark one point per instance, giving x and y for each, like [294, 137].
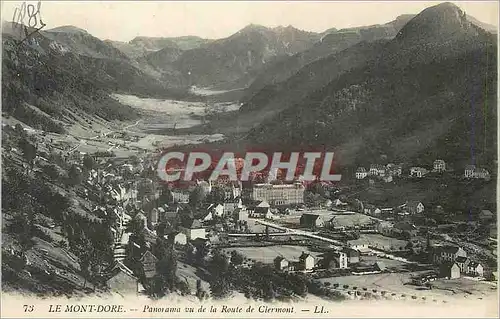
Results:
[413, 217]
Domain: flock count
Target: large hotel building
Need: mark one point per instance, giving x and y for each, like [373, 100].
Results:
[276, 195]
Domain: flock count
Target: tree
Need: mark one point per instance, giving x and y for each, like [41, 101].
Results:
[219, 268]
[23, 227]
[88, 162]
[161, 248]
[200, 254]
[200, 293]
[166, 196]
[312, 199]
[88, 257]
[20, 131]
[29, 151]
[219, 265]
[317, 188]
[75, 175]
[52, 171]
[166, 277]
[220, 288]
[236, 258]
[217, 195]
[268, 290]
[183, 287]
[197, 196]
[299, 284]
[162, 229]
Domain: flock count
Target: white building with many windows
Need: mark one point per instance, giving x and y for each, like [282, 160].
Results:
[276, 195]
[361, 173]
[471, 171]
[439, 165]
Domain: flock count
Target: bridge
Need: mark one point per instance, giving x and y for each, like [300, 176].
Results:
[258, 234]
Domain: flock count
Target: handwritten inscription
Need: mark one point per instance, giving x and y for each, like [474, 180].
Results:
[27, 15]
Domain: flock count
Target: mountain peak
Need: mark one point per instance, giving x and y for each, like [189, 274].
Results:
[68, 29]
[436, 24]
[253, 28]
[283, 28]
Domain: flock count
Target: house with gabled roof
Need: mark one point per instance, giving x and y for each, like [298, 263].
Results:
[215, 209]
[208, 216]
[486, 215]
[148, 261]
[122, 280]
[377, 170]
[414, 207]
[231, 205]
[180, 239]
[394, 169]
[446, 253]
[462, 263]
[361, 173]
[405, 228]
[311, 220]
[471, 171]
[240, 214]
[335, 259]
[473, 268]
[193, 229]
[449, 270]
[260, 209]
[439, 166]
[352, 255]
[281, 263]
[418, 172]
[306, 261]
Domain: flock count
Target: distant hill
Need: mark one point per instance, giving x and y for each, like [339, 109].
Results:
[331, 41]
[442, 23]
[52, 77]
[430, 92]
[163, 58]
[487, 27]
[141, 46]
[226, 61]
[158, 43]
[68, 29]
[83, 43]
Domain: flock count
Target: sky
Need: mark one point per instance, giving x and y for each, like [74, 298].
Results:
[124, 20]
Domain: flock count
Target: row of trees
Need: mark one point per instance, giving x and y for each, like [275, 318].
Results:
[32, 198]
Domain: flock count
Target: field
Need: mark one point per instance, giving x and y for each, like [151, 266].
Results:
[267, 254]
[394, 283]
[341, 220]
[255, 227]
[382, 242]
[352, 220]
[389, 263]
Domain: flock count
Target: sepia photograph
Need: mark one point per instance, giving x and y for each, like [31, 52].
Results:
[249, 159]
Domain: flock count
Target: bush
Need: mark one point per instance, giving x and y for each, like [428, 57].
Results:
[183, 288]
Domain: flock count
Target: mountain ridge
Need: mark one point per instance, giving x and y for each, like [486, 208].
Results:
[386, 100]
